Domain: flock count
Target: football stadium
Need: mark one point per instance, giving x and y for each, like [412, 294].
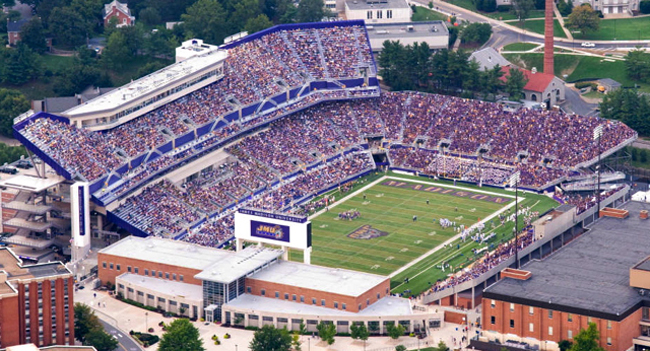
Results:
[421, 194]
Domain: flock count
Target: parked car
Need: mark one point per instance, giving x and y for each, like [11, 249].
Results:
[587, 44]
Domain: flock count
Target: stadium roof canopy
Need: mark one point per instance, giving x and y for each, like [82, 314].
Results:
[333, 280]
[590, 276]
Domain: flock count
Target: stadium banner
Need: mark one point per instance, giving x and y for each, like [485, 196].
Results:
[278, 216]
[270, 231]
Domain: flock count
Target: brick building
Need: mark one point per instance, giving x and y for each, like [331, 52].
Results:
[116, 9]
[35, 302]
[602, 277]
[250, 287]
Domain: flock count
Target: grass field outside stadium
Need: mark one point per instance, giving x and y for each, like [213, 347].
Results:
[385, 238]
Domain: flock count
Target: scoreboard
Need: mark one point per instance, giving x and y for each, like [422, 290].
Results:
[279, 229]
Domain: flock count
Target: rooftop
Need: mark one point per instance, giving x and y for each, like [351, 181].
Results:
[645, 265]
[122, 7]
[589, 276]
[12, 265]
[333, 280]
[537, 82]
[375, 4]
[147, 84]
[188, 291]
[488, 58]
[216, 264]
[387, 306]
[407, 29]
[16, 26]
[31, 183]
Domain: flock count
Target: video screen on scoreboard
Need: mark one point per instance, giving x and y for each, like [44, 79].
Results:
[273, 228]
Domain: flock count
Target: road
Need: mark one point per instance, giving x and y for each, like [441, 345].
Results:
[126, 343]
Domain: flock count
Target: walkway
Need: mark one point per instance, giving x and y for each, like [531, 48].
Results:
[559, 18]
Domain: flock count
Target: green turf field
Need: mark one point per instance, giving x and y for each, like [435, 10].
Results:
[389, 210]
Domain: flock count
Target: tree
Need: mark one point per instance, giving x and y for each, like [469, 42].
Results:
[32, 34]
[149, 16]
[521, 9]
[477, 33]
[584, 19]
[85, 321]
[359, 331]
[395, 331]
[491, 80]
[564, 345]
[587, 339]
[205, 19]
[515, 84]
[441, 346]
[644, 6]
[271, 339]
[20, 65]
[257, 24]
[400, 348]
[326, 331]
[12, 104]
[311, 10]
[116, 52]
[68, 27]
[181, 335]
[627, 106]
[637, 65]
[244, 10]
[295, 342]
[101, 340]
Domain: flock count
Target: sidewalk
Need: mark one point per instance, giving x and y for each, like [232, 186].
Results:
[127, 317]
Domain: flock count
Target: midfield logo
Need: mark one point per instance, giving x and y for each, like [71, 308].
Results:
[366, 232]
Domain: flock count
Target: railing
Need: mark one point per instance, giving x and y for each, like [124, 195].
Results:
[23, 116]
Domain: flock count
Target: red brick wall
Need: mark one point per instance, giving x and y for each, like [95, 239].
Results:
[455, 317]
[621, 333]
[351, 302]
[70, 312]
[8, 321]
[8, 213]
[47, 312]
[107, 274]
[120, 17]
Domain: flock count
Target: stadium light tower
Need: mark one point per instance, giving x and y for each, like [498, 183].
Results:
[514, 181]
[598, 133]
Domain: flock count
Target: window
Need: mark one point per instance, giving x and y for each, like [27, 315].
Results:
[167, 275]
[550, 314]
[531, 310]
[136, 270]
[160, 299]
[128, 269]
[302, 298]
[531, 327]
[512, 323]
[493, 320]
[174, 276]
[379, 14]
[277, 295]
[103, 264]
[146, 271]
[493, 303]
[609, 324]
[570, 334]
[367, 302]
[369, 15]
[149, 296]
[609, 341]
[172, 302]
[378, 296]
[160, 274]
[336, 304]
[550, 331]
[140, 293]
[293, 297]
[180, 277]
[570, 317]
[153, 273]
[313, 301]
[322, 302]
[248, 289]
[263, 292]
[286, 296]
[118, 267]
[359, 307]
[389, 13]
[343, 306]
[120, 286]
[512, 307]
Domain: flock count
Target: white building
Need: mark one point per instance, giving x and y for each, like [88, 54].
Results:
[193, 47]
[612, 7]
[434, 33]
[378, 11]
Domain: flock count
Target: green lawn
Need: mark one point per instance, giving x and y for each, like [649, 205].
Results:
[520, 46]
[537, 26]
[564, 64]
[56, 63]
[424, 14]
[390, 209]
[469, 5]
[620, 29]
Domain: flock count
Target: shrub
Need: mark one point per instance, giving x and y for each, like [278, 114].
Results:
[251, 328]
[504, 8]
[582, 85]
[644, 6]
[227, 336]
[150, 330]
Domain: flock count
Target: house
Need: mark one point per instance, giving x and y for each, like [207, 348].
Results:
[120, 11]
[541, 87]
[612, 8]
[13, 33]
[608, 85]
[378, 11]
[488, 58]
[13, 30]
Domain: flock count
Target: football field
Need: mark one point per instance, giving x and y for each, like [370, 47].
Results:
[384, 237]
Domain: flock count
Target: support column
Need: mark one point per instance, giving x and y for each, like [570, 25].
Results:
[246, 320]
[275, 322]
[240, 244]
[307, 256]
[285, 253]
[473, 302]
